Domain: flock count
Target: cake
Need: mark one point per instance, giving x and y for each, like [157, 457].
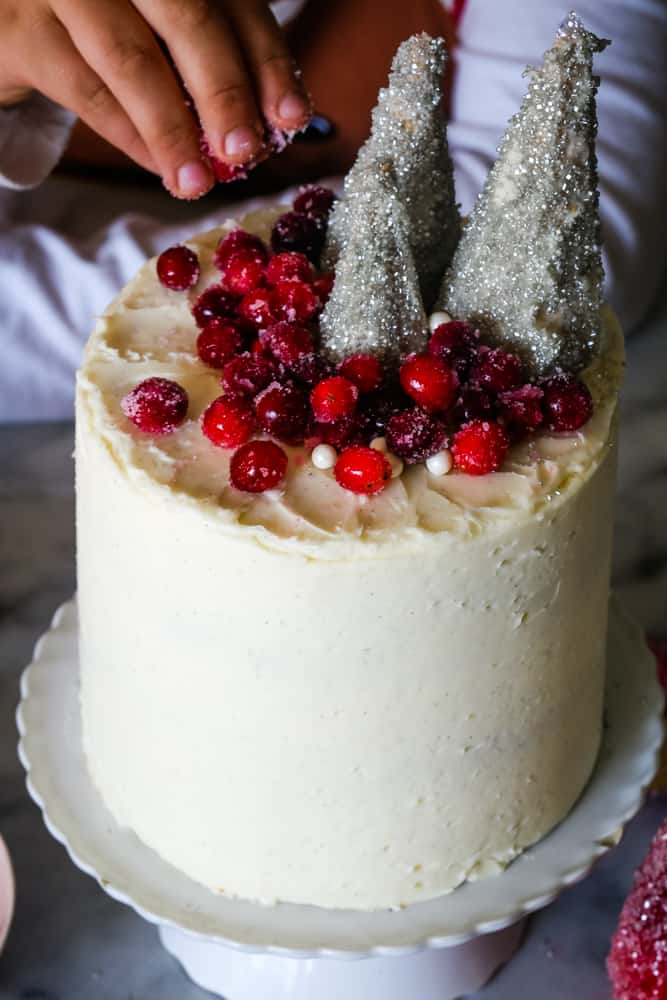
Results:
[343, 622]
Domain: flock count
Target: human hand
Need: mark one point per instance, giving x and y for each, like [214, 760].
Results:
[118, 64]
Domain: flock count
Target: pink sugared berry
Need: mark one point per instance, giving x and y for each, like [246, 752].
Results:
[258, 466]
[300, 232]
[289, 266]
[496, 370]
[178, 268]
[521, 408]
[214, 303]
[282, 410]
[567, 403]
[454, 343]
[362, 470]
[235, 241]
[323, 286]
[156, 405]
[480, 447]
[243, 272]
[293, 301]
[415, 435]
[430, 382]
[314, 200]
[255, 308]
[248, 374]
[637, 962]
[473, 403]
[334, 399]
[228, 421]
[362, 369]
[288, 342]
[219, 341]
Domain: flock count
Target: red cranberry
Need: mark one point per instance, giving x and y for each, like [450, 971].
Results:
[497, 370]
[255, 308]
[218, 342]
[289, 266]
[294, 301]
[362, 369]
[248, 374]
[340, 433]
[456, 344]
[156, 405]
[228, 421]
[178, 268]
[214, 303]
[334, 399]
[314, 200]
[473, 403]
[300, 232]
[429, 381]
[243, 272]
[415, 435]
[362, 470]
[258, 466]
[288, 342]
[567, 403]
[323, 286]
[480, 447]
[522, 408]
[235, 241]
[282, 410]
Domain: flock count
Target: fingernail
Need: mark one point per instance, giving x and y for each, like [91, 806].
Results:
[293, 107]
[241, 141]
[194, 179]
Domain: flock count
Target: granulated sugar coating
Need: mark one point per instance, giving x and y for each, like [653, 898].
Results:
[409, 128]
[528, 266]
[637, 963]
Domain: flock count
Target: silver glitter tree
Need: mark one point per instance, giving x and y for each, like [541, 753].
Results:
[409, 128]
[528, 266]
[375, 305]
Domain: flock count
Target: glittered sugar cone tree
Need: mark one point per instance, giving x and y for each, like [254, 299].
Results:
[375, 305]
[409, 128]
[528, 267]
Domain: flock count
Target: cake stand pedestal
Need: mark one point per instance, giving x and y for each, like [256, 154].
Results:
[436, 950]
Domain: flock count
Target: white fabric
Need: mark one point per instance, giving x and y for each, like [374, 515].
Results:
[66, 247]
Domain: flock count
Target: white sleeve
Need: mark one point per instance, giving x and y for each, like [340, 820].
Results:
[498, 38]
[33, 136]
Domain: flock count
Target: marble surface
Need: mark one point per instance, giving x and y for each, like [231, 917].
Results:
[71, 942]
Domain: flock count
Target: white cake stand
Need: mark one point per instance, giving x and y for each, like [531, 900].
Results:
[435, 950]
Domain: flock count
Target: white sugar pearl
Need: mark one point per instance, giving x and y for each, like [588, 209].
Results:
[396, 465]
[379, 444]
[437, 319]
[324, 456]
[440, 463]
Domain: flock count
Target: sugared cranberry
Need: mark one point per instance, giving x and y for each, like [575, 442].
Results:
[362, 369]
[314, 200]
[255, 308]
[334, 399]
[456, 344]
[311, 369]
[430, 382]
[289, 266]
[228, 421]
[323, 286]
[340, 433]
[415, 435]
[567, 403]
[258, 466]
[214, 303]
[178, 268]
[288, 342]
[248, 374]
[218, 342]
[156, 405]
[480, 447]
[497, 370]
[300, 232]
[243, 272]
[282, 410]
[473, 403]
[521, 408]
[293, 301]
[362, 470]
[637, 962]
[235, 241]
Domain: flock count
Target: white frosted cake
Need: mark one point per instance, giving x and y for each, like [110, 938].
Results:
[365, 663]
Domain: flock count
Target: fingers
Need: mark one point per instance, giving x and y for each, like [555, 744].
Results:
[282, 96]
[123, 52]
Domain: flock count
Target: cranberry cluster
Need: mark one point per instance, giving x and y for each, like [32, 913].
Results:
[258, 326]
